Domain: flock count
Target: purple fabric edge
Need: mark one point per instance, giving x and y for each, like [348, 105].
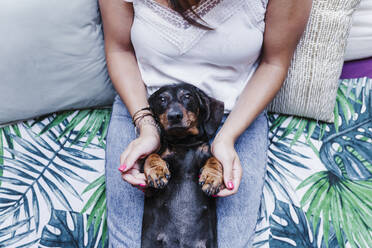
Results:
[357, 69]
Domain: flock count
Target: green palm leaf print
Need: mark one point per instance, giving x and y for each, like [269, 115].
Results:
[42, 171]
[340, 197]
[89, 123]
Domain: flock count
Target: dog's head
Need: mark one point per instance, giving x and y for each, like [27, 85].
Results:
[184, 110]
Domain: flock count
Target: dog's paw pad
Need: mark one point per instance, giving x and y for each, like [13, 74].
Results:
[211, 182]
[158, 176]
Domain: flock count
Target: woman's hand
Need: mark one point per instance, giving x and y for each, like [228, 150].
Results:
[224, 151]
[147, 143]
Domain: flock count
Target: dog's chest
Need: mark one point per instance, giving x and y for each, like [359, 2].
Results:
[184, 163]
[183, 194]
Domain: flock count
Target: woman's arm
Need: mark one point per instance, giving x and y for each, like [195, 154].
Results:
[117, 18]
[285, 22]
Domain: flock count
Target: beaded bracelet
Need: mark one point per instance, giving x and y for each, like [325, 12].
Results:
[139, 121]
[135, 116]
[142, 109]
[141, 117]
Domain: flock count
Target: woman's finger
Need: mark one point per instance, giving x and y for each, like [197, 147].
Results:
[228, 176]
[225, 192]
[122, 167]
[236, 172]
[130, 156]
[139, 175]
[135, 153]
[226, 158]
[135, 180]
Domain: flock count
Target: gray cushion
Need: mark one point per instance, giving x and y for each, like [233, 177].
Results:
[51, 58]
[310, 88]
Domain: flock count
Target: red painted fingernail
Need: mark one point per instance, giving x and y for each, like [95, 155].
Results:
[122, 168]
[142, 185]
[230, 185]
[214, 195]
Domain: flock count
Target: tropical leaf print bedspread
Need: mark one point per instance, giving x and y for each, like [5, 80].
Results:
[318, 189]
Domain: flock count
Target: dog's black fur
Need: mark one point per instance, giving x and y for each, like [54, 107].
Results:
[177, 212]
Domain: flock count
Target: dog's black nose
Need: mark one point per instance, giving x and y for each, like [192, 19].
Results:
[175, 115]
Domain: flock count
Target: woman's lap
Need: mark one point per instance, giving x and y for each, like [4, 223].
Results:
[237, 214]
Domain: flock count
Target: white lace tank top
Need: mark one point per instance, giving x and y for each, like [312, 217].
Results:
[220, 61]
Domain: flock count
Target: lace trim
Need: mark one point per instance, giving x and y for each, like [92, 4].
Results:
[172, 26]
[175, 18]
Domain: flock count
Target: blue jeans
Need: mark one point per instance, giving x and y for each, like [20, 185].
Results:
[236, 214]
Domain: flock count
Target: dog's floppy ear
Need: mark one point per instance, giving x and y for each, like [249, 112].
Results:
[211, 111]
[152, 103]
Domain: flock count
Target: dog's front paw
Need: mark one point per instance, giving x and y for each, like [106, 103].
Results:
[156, 171]
[211, 177]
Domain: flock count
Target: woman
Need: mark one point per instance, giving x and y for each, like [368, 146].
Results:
[228, 48]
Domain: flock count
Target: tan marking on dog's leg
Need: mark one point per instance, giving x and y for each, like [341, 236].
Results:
[166, 153]
[211, 178]
[156, 171]
[193, 131]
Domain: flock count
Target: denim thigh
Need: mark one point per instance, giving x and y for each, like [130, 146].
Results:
[237, 214]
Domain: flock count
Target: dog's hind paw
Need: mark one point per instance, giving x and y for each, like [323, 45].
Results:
[211, 177]
[156, 171]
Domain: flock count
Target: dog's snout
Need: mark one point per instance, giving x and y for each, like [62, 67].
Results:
[174, 115]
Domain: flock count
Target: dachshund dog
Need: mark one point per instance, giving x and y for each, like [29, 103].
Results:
[183, 175]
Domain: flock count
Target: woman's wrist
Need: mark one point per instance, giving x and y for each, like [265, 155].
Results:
[226, 134]
[223, 138]
[148, 126]
[144, 122]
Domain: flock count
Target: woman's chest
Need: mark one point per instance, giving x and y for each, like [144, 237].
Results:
[158, 32]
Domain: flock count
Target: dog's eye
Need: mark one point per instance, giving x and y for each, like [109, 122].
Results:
[187, 96]
[162, 99]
